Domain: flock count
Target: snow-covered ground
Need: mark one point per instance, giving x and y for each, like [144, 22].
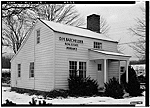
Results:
[25, 99]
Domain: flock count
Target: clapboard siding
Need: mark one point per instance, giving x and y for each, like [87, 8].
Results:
[44, 59]
[13, 74]
[42, 56]
[24, 57]
[92, 69]
[51, 60]
[63, 55]
[113, 69]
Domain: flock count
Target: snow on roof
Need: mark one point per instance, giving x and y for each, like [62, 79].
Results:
[75, 30]
[110, 53]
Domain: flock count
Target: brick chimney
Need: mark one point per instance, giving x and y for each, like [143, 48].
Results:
[93, 23]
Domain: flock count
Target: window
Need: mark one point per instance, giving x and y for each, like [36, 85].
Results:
[38, 36]
[122, 69]
[19, 70]
[98, 45]
[77, 68]
[73, 68]
[99, 66]
[31, 71]
[82, 69]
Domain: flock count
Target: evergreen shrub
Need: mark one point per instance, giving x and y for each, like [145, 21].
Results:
[141, 79]
[133, 85]
[113, 89]
[52, 94]
[57, 93]
[82, 86]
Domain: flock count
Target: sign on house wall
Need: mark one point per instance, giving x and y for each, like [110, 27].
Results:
[70, 43]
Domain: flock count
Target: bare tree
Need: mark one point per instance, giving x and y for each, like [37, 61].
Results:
[14, 31]
[120, 47]
[104, 26]
[17, 20]
[16, 23]
[61, 13]
[139, 30]
[15, 9]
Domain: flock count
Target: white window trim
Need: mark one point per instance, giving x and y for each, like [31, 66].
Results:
[18, 70]
[85, 70]
[98, 68]
[121, 69]
[30, 71]
[39, 36]
[78, 65]
[97, 45]
[69, 65]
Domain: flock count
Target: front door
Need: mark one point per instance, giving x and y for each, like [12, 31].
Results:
[100, 75]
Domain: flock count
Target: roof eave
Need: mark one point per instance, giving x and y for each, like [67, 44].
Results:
[24, 41]
[75, 34]
[111, 54]
[86, 37]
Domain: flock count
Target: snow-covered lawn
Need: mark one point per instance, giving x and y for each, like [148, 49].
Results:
[25, 98]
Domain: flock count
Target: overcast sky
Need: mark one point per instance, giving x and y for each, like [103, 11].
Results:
[119, 17]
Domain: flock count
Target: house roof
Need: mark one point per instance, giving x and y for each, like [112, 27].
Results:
[76, 31]
[68, 29]
[24, 41]
[110, 53]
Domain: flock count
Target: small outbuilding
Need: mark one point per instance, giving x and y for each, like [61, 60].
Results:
[52, 52]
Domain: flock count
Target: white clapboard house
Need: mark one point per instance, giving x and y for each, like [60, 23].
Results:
[52, 52]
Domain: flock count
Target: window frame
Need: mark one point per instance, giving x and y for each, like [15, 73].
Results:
[122, 69]
[31, 70]
[79, 70]
[38, 36]
[97, 45]
[19, 70]
[72, 68]
[99, 67]
[82, 69]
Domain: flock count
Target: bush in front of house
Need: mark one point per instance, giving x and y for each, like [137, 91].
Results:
[51, 94]
[133, 85]
[131, 73]
[113, 89]
[22, 91]
[141, 79]
[57, 93]
[82, 86]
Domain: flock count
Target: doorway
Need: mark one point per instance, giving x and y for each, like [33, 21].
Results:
[100, 75]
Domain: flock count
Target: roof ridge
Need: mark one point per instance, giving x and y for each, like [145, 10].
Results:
[64, 28]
